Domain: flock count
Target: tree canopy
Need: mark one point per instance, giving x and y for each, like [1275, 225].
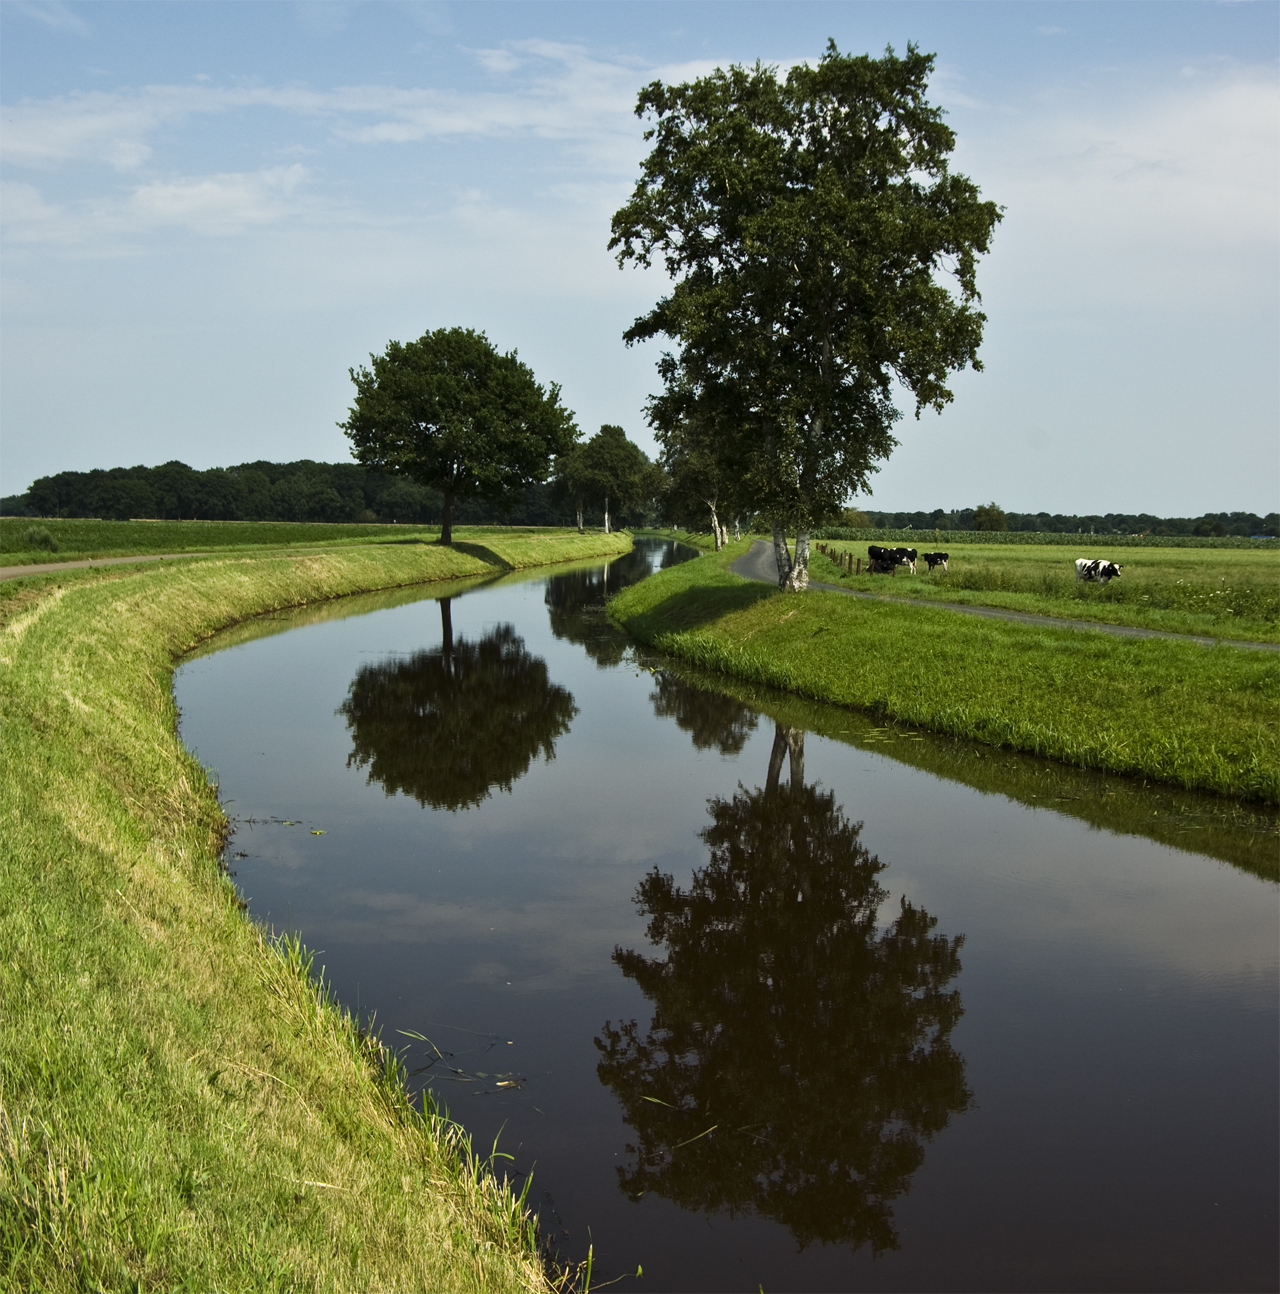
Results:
[820, 251]
[452, 413]
[448, 725]
[608, 469]
[799, 1054]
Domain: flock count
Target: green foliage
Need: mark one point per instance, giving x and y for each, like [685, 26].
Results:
[39, 539]
[1175, 712]
[450, 412]
[989, 516]
[929, 538]
[821, 251]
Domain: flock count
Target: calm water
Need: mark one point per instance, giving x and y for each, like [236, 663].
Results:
[758, 1005]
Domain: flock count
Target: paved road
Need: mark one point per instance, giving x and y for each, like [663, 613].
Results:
[759, 564]
[39, 568]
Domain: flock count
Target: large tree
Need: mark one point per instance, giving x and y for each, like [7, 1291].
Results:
[452, 413]
[820, 251]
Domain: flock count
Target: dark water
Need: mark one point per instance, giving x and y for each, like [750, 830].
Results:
[763, 993]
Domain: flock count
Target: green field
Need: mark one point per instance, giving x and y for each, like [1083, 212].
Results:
[77, 539]
[182, 1104]
[1173, 712]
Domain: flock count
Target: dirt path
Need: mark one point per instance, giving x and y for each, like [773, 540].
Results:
[758, 564]
[38, 568]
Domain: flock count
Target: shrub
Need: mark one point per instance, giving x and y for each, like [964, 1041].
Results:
[39, 537]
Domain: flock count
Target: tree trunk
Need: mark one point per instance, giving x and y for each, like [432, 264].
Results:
[798, 577]
[737, 529]
[446, 526]
[606, 514]
[579, 516]
[715, 523]
[795, 749]
[781, 554]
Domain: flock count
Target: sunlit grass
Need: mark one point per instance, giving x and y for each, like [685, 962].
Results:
[1197, 717]
[1216, 592]
[184, 1105]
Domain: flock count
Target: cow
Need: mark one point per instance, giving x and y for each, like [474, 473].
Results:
[1097, 569]
[883, 560]
[936, 559]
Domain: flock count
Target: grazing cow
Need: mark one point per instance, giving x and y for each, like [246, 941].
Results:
[937, 559]
[883, 560]
[1099, 570]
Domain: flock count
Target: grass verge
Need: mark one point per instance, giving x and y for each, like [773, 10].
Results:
[1179, 713]
[183, 1105]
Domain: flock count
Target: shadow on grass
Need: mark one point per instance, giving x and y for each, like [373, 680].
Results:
[482, 554]
[694, 607]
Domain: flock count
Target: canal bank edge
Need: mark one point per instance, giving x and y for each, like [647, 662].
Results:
[1180, 713]
[181, 1102]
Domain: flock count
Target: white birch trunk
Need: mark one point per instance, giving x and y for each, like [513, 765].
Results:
[737, 530]
[798, 577]
[715, 524]
[606, 514]
[579, 516]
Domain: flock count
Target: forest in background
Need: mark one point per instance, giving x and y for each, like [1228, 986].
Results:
[311, 491]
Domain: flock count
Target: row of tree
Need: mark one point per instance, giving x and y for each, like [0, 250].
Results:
[990, 517]
[606, 480]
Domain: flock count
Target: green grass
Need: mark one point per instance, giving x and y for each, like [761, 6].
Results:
[182, 1103]
[1178, 713]
[78, 539]
[1233, 593]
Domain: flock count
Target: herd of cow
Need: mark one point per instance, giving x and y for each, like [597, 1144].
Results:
[885, 561]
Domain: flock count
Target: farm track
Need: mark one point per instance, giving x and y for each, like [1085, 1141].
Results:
[758, 564]
[38, 568]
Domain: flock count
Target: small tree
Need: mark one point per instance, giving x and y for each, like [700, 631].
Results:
[608, 468]
[820, 251]
[988, 516]
[450, 412]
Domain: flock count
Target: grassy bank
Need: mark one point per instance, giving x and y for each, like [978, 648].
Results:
[1231, 593]
[183, 1105]
[78, 538]
[1195, 717]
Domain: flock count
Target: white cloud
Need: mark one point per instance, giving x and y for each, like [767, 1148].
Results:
[52, 13]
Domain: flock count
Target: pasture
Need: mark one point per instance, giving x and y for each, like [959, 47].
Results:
[1219, 592]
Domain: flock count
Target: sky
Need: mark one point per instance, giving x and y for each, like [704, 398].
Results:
[212, 211]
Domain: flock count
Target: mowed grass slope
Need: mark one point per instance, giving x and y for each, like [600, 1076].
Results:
[80, 538]
[1222, 592]
[183, 1106]
[1199, 717]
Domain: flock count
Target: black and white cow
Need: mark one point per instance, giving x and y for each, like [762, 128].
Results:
[936, 559]
[1099, 570]
[883, 560]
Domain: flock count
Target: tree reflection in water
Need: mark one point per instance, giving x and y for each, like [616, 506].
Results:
[575, 602]
[710, 718]
[799, 1056]
[446, 726]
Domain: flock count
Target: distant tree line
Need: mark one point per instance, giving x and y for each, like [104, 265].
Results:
[989, 517]
[300, 491]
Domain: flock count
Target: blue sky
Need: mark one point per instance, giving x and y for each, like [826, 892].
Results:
[212, 211]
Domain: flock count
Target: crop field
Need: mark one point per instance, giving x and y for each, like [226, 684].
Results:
[21, 540]
[1219, 592]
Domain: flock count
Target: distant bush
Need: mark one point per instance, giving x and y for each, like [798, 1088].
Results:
[39, 537]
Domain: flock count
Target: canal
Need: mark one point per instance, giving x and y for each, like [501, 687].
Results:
[763, 993]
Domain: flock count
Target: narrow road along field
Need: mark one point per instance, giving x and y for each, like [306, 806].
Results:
[759, 564]
[181, 1103]
[1170, 710]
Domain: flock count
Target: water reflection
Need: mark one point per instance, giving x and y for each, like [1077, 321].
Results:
[448, 725]
[575, 600]
[712, 719]
[799, 1055]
